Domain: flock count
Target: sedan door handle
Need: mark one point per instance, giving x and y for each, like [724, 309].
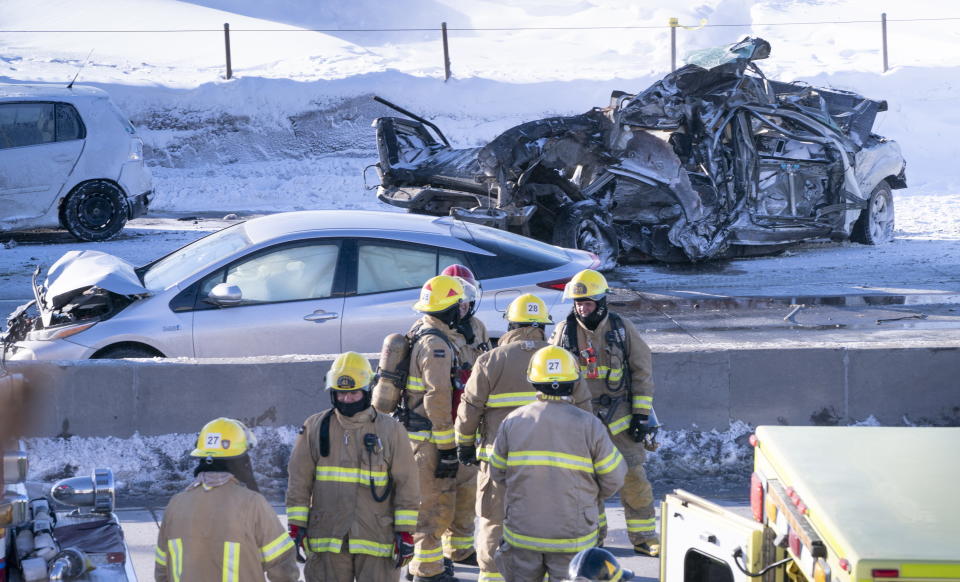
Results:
[321, 315]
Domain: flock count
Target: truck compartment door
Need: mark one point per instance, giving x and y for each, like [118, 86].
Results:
[700, 539]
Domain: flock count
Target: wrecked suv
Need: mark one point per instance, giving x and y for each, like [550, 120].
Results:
[714, 160]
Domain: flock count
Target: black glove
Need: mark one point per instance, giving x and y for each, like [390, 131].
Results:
[638, 427]
[467, 454]
[446, 464]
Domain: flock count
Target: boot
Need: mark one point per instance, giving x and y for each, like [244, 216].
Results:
[442, 577]
[648, 547]
[470, 560]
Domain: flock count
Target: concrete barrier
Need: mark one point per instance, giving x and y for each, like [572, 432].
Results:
[695, 389]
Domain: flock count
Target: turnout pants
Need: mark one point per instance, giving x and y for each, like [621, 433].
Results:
[344, 567]
[636, 495]
[520, 565]
[458, 540]
[437, 499]
[489, 509]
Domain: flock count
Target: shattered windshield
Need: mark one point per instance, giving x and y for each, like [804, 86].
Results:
[748, 48]
[180, 264]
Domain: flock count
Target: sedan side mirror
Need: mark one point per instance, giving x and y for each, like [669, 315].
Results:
[225, 295]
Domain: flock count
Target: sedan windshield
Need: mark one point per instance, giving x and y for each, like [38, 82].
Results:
[182, 263]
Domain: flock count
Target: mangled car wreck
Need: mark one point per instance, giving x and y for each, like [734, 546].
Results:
[715, 160]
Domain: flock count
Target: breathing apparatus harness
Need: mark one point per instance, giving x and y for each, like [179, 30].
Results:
[616, 336]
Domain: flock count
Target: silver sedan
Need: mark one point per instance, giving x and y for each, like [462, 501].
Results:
[312, 282]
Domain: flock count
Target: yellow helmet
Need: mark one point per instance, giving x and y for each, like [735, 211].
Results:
[223, 438]
[439, 293]
[552, 364]
[528, 308]
[350, 371]
[587, 284]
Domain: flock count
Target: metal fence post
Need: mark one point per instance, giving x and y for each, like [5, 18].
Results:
[883, 25]
[226, 42]
[674, 23]
[446, 53]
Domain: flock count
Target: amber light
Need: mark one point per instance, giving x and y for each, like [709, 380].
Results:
[756, 497]
[885, 573]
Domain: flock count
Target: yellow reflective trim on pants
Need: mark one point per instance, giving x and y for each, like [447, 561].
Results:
[276, 548]
[415, 384]
[231, 562]
[370, 548]
[511, 399]
[458, 543]
[618, 426]
[405, 516]
[434, 555]
[350, 475]
[552, 545]
[466, 439]
[549, 459]
[603, 519]
[498, 461]
[490, 577]
[176, 558]
[442, 437]
[644, 402]
[608, 463]
[324, 545]
[298, 513]
[160, 557]
[642, 525]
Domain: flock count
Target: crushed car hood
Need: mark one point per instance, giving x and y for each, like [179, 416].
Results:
[77, 271]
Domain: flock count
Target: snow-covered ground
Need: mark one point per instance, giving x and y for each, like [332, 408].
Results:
[291, 130]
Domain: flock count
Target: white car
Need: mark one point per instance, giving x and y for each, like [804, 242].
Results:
[69, 158]
[309, 282]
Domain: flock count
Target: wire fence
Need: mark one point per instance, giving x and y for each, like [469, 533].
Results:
[673, 25]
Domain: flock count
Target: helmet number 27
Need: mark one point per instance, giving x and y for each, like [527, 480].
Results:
[553, 366]
[213, 439]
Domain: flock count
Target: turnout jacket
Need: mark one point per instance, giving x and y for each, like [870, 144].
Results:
[498, 386]
[430, 383]
[217, 529]
[616, 395]
[558, 464]
[331, 495]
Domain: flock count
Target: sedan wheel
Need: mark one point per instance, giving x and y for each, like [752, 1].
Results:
[875, 225]
[581, 226]
[95, 211]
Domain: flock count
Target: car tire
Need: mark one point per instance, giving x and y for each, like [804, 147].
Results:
[122, 351]
[583, 226]
[875, 225]
[95, 211]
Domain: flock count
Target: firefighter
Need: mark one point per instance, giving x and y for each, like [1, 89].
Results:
[557, 464]
[617, 365]
[353, 493]
[458, 541]
[221, 527]
[427, 411]
[496, 387]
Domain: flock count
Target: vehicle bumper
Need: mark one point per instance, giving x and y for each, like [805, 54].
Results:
[137, 182]
[138, 205]
[52, 350]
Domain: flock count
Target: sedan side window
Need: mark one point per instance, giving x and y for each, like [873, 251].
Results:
[26, 124]
[286, 274]
[385, 267]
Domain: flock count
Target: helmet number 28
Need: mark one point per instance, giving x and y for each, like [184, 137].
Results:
[533, 308]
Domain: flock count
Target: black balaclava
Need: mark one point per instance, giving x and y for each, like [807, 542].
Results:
[555, 388]
[240, 467]
[466, 330]
[593, 320]
[449, 316]
[350, 408]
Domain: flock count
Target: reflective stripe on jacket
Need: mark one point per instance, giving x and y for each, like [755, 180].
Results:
[557, 463]
[331, 495]
[498, 385]
[429, 383]
[604, 376]
[224, 532]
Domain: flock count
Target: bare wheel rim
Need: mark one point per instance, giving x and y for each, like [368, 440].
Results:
[881, 218]
[96, 210]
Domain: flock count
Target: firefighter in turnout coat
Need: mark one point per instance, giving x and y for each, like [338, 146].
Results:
[497, 386]
[427, 412]
[221, 527]
[458, 541]
[557, 464]
[617, 366]
[353, 494]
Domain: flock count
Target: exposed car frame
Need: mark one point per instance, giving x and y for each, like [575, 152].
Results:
[715, 160]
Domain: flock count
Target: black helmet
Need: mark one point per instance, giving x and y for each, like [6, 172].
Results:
[596, 565]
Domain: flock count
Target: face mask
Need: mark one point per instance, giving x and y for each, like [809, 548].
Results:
[350, 408]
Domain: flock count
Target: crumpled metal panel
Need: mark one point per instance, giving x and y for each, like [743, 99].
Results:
[77, 271]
